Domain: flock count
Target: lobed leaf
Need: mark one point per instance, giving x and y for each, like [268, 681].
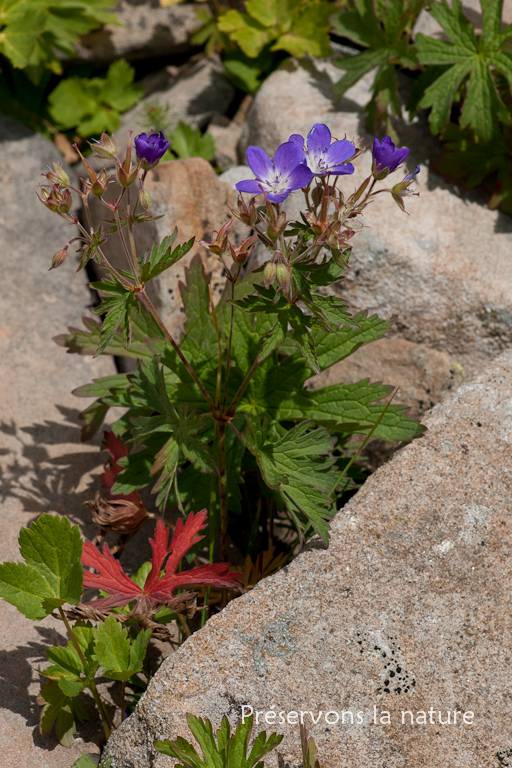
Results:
[52, 573]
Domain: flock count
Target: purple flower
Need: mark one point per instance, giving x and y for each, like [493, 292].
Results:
[410, 176]
[321, 156]
[150, 149]
[386, 156]
[277, 179]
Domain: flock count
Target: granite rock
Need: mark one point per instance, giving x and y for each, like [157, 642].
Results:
[407, 611]
[43, 465]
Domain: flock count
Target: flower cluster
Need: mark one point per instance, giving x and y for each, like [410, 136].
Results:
[299, 160]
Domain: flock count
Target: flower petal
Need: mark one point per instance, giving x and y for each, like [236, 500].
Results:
[299, 177]
[346, 168]
[319, 138]
[339, 152]
[260, 163]
[287, 157]
[278, 197]
[296, 138]
[398, 157]
[251, 185]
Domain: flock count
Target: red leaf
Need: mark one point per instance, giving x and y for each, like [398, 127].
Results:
[158, 588]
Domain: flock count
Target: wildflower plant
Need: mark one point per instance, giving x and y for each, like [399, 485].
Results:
[221, 420]
[227, 405]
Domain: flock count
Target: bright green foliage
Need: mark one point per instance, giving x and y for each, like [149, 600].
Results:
[93, 105]
[222, 750]
[118, 308]
[52, 573]
[384, 30]
[120, 658]
[162, 256]
[468, 58]
[68, 668]
[298, 27]
[299, 465]
[189, 142]
[165, 406]
[32, 31]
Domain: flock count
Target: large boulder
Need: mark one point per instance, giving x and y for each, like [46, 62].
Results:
[44, 466]
[403, 617]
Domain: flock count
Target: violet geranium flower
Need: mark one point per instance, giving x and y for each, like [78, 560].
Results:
[386, 156]
[150, 149]
[322, 157]
[278, 178]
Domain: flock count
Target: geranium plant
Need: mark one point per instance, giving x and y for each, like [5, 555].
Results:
[222, 420]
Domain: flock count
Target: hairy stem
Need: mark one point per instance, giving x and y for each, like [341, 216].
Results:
[243, 386]
[144, 299]
[223, 489]
[131, 238]
[131, 258]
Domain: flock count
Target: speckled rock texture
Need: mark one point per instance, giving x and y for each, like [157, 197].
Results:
[446, 269]
[43, 465]
[409, 609]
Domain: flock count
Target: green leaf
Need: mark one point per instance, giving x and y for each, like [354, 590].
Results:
[52, 573]
[190, 142]
[94, 105]
[227, 751]
[59, 710]
[118, 310]
[163, 256]
[479, 56]
[299, 466]
[120, 658]
[32, 31]
[247, 32]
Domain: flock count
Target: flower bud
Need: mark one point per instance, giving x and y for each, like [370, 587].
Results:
[58, 175]
[100, 184]
[144, 199]
[66, 201]
[59, 257]
[126, 175]
[105, 148]
[283, 277]
[269, 273]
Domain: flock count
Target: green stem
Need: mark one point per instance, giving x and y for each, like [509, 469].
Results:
[107, 722]
[144, 298]
[132, 260]
[230, 340]
[131, 238]
[243, 386]
[223, 489]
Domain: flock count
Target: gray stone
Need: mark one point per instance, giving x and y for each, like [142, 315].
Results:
[147, 30]
[193, 93]
[445, 269]
[407, 610]
[43, 465]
